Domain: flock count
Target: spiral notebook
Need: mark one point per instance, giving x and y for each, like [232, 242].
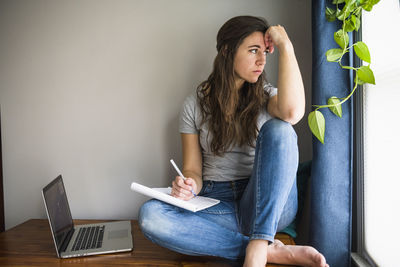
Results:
[164, 194]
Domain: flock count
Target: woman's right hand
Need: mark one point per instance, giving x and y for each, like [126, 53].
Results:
[182, 189]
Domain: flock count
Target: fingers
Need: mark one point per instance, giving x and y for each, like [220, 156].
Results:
[269, 44]
[180, 188]
[275, 36]
[190, 182]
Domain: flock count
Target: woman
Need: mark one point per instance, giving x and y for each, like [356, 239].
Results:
[239, 147]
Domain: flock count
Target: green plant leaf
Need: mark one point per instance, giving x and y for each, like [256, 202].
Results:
[316, 122]
[356, 21]
[360, 82]
[337, 110]
[347, 9]
[352, 23]
[337, 2]
[352, 5]
[362, 51]
[338, 12]
[341, 14]
[342, 38]
[356, 79]
[333, 55]
[366, 75]
[330, 14]
[358, 11]
[349, 25]
[368, 4]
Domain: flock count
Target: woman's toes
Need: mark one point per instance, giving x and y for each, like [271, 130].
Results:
[320, 260]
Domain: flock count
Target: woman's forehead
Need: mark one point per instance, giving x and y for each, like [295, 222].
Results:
[256, 38]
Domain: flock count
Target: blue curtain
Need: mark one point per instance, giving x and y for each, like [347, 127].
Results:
[331, 175]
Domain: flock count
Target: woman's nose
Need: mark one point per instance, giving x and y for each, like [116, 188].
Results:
[261, 59]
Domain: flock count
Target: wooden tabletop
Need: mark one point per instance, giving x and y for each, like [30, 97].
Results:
[31, 244]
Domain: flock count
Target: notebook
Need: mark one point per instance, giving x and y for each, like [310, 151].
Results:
[164, 194]
[81, 240]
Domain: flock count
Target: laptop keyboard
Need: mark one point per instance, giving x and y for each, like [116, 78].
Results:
[89, 238]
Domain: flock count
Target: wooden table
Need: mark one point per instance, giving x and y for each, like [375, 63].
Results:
[31, 244]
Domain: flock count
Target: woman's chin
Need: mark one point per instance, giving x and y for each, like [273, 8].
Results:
[252, 80]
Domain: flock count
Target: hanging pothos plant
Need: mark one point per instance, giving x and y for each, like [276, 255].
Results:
[349, 12]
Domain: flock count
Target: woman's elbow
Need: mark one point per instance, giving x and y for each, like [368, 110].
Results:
[293, 116]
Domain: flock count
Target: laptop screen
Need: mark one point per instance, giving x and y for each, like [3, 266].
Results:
[58, 210]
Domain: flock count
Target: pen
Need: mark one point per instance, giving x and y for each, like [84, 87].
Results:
[180, 174]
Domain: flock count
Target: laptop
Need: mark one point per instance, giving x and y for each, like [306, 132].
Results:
[81, 240]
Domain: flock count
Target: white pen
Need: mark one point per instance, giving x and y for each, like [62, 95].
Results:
[180, 174]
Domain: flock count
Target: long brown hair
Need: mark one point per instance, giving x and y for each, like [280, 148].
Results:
[232, 114]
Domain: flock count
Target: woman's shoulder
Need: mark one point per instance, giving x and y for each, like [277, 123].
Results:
[191, 99]
[191, 104]
[195, 97]
[190, 114]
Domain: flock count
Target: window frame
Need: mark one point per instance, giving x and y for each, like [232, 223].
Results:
[359, 255]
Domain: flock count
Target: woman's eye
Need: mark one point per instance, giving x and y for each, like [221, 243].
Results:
[254, 51]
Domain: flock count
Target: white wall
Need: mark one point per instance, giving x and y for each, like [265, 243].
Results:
[92, 90]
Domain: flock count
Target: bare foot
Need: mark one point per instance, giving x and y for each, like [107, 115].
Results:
[296, 255]
[256, 253]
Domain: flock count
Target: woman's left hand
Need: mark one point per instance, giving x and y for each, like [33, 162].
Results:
[276, 36]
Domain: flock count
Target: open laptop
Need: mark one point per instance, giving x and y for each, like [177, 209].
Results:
[81, 240]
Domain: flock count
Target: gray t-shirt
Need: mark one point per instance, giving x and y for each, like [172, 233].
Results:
[235, 164]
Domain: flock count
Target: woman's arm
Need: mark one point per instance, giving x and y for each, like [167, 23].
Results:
[289, 103]
[192, 168]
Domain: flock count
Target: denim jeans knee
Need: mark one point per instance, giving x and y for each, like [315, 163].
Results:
[152, 222]
[276, 128]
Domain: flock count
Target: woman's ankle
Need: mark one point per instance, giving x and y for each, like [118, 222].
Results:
[256, 253]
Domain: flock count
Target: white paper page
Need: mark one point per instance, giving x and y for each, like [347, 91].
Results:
[195, 204]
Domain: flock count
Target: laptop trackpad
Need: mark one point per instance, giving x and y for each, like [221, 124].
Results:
[118, 234]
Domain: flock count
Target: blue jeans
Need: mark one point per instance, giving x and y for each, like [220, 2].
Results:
[254, 208]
